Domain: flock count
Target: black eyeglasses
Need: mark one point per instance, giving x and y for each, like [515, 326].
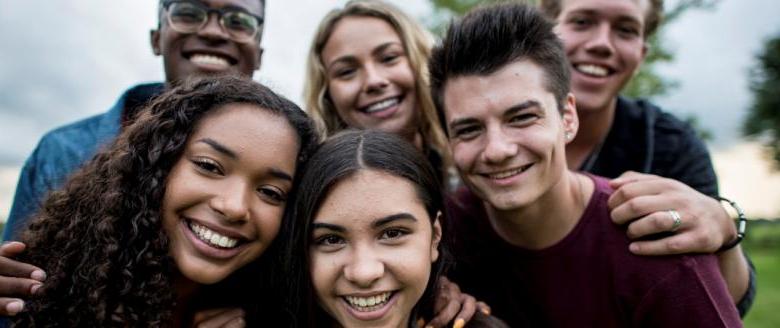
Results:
[190, 16]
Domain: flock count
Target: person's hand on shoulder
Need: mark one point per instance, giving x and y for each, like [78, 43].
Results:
[219, 318]
[650, 204]
[452, 305]
[18, 281]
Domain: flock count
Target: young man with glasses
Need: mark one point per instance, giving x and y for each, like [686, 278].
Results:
[194, 37]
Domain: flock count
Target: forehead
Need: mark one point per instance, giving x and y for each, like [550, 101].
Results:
[356, 35]
[252, 132]
[380, 194]
[636, 9]
[473, 96]
[253, 6]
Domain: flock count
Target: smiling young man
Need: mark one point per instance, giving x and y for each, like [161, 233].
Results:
[194, 37]
[534, 239]
[672, 185]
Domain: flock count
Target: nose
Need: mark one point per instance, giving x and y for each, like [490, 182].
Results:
[213, 28]
[498, 147]
[600, 41]
[364, 268]
[375, 80]
[231, 201]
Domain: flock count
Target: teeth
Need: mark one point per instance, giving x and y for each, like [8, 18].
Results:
[382, 105]
[368, 304]
[593, 70]
[506, 174]
[209, 60]
[212, 237]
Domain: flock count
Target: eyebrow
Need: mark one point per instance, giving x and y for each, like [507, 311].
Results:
[275, 172]
[376, 224]
[351, 58]
[509, 111]
[219, 147]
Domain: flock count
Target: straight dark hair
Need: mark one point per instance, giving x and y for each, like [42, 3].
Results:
[340, 157]
[491, 37]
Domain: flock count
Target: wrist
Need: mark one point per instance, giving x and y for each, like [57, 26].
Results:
[740, 222]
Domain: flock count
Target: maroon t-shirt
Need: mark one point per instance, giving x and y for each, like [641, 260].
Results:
[588, 279]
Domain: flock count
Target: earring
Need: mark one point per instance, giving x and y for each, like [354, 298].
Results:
[568, 135]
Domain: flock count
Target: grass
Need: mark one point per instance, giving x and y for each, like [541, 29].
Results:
[763, 245]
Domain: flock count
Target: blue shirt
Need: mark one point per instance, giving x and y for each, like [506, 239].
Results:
[63, 150]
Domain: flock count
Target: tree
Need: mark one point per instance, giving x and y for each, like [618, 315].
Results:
[763, 120]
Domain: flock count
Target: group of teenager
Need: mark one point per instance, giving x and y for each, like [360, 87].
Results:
[461, 184]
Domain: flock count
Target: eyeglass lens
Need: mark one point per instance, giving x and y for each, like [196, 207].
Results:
[189, 18]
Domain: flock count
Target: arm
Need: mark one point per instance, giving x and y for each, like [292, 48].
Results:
[691, 295]
[705, 224]
[453, 305]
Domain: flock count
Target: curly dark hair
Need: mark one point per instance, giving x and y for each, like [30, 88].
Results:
[100, 236]
[338, 158]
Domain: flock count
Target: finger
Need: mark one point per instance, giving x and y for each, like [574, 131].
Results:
[675, 244]
[636, 189]
[10, 306]
[12, 268]
[446, 314]
[218, 317]
[627, 177]
[484, 308]
[11, 248]
[467, 308]
[236, 323]
[18, 287]
[656, 222]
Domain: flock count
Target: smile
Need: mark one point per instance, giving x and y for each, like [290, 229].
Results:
[370, 303]
[382, 105]
[593, 70]
[509, 173]
[212, 237]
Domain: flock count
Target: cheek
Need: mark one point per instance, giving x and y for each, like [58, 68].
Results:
[343, 94]
[323, 272]
[464, 155]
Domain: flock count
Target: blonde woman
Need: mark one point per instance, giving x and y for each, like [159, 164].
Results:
[367, 69]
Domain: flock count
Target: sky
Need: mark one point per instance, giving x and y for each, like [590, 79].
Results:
[65, 60]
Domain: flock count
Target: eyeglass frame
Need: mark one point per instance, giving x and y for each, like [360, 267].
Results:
[220, 12]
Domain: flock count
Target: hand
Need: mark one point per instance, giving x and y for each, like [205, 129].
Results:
[643, 201]
[219, 318]
[17, 279]
[451, 304]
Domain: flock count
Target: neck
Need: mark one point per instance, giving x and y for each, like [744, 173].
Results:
[594, 127]
[549, 219]
[185, 291]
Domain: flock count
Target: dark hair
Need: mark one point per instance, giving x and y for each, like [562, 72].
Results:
[100, 236]
[489, 38]
[653, 17]
[340, 157]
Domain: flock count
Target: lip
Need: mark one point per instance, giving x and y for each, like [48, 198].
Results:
[504, 181]
[384, 113]
[373, 315]
[210, 251]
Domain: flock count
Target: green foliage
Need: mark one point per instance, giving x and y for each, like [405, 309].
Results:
[763, 119]
[763, 244]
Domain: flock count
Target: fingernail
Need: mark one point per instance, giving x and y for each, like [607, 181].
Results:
[38, 275]
[428, 326]
[420, 323]
[34, 289]
[14, 307]
[459, 323]
[485, 311]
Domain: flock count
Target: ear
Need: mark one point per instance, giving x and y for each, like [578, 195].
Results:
[154, 40]
[436, 237]
[571, 122]
[259, 60]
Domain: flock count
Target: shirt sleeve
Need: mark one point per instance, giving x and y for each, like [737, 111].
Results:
[27, 199]
[692, 295]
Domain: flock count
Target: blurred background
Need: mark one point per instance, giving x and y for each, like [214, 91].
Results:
[714, 63]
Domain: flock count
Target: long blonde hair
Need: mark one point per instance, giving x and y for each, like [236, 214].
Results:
[417, 42]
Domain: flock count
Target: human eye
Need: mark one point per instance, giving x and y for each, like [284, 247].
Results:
[522, 118]
[185, 12]
[207, 165]
[580, 22]
[273, 194]
[393, 234]
[329, 241]
[466, 132]
[628, 30]
[390, 57]
[240, 21]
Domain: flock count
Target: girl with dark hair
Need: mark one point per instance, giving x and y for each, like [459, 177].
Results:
[174, 215]
[366, 238]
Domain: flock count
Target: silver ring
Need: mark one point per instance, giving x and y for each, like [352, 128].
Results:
[676, 218]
